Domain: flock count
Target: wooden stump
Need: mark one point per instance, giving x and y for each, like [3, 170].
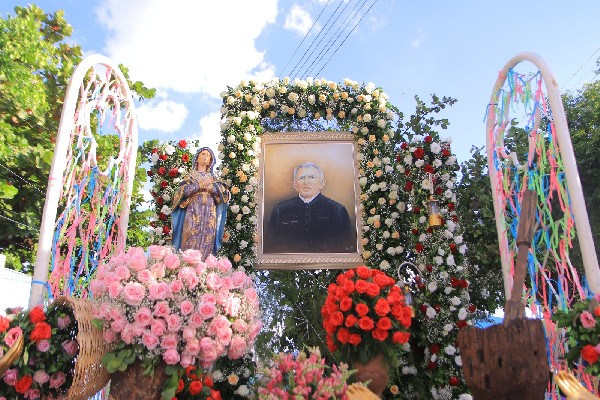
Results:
[132, 384]
[505, 362]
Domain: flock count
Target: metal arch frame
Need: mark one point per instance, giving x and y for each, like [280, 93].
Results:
[582, 225]
[44, 250]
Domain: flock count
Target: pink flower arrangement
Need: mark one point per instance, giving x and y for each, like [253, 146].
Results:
[175, 307]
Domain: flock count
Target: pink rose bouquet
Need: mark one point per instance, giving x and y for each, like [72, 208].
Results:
[50, 347]
[174, 308]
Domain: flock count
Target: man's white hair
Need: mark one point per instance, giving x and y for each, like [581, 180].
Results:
[308, 164]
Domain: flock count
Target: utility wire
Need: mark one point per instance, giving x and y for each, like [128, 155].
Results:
[23, 179]
[588, 60]
[314, 40]
[305, 36]
[336, 35]
[349, 33]
[18, 223]
[323, 37]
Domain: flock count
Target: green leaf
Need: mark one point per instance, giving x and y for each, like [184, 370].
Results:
[170, 387]
[7, 191]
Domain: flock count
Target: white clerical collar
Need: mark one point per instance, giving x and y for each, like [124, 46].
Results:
[306, 201]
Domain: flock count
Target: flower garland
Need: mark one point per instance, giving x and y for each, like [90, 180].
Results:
[427, 167]
[363, 110]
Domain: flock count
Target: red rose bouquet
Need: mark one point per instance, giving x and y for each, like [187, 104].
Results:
[365, 314]
[45, 367]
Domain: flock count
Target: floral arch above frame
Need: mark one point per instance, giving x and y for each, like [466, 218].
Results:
[363, 110]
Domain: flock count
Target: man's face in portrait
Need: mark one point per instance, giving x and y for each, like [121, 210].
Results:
[308, 182]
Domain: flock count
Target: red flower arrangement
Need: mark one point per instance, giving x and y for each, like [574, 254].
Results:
[365, 314]
[195, 384]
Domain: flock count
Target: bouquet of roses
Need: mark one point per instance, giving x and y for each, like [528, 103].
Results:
[49, 351]
[582, 324]
[365, 315]
[195, 384]
[174, 308]
[304, 376]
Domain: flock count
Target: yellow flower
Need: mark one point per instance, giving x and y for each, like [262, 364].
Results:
[238, 217]
[243, 177]
[342, 114]
[376, 224]
[394, 389]
[317, 115]
[237, 258]
[370, 164]
[361, 141]
[233, 379]
[272, 114]
[266, 104]
[375, 151]
[385, 138]
[238, 94]
[235, 190]
[372, 138]
[373, 211]
[366, 254]
[344, 95]
[395, 234]
[365, 241]
[392, 201]
[225, 171]
[378, 173]
[226, 236]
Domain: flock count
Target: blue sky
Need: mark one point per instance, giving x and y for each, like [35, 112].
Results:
[191, 50]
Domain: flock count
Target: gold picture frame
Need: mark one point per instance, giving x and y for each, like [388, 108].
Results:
[281, 240]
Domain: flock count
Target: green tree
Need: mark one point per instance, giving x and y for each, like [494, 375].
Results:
[36, 64]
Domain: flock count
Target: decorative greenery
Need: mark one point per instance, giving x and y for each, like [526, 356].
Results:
[365, 315]
[235, 379]
[45, 368]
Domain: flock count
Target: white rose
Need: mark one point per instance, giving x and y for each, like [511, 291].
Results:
[450, 350]
[435, 148]
[384, 265]
[165, 210]
[154, 158]
[430, 313]
[242, 390]
[374, 187]
[383, 186]
[159, 230]
[243, 244]
[364, 130]
[437, 163]
[245, 210]
[166, 197]
[422, 237]
[401, 206]
[448, 290]
[386, 234]
[391, 251]
[363, 181]
[408, 160]
[399, 249]
[169, 149]
[455, 300]
[238, 226]
[419, 163]
[438, 260]
[367, 118]
[462, 249]
[311, 99]
[432, 286]
[451, 160]
[422, 219]
[462, 314]
[450, 260]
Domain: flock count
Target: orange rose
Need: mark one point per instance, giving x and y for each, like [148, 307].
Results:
[589, 354]
[354, 339]
[382, 307]
[597, 311]
[381, 280]
[349, 286]
[350, 321]
[400, 337]
[372, 289]
[41, 331]
[379, 334]
[361, 309]
[195, 387]
[384, 323]
[365, 323]
[337, 318]
[343, 335]
[37, 315]
[4, 324]
[363, 272]
[346, 304]
[361, 286]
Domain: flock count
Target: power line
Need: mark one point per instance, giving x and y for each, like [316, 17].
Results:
[305, 36]
[18, 223]
[23, 179]
[336, 35]
[576, 72]
[314, 40]
[349, 33]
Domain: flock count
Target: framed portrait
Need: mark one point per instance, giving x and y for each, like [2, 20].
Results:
[308, 201]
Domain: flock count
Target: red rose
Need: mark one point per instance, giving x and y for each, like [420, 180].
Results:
[195, 387]
[432, 365]
[428, 139]
[361, 286]
[400, 337]
[351, 320]
[384, 323]
[332, 288]
[361, 309]
[454, 282]
[408, 186]
[162, 170]
[429, 268]
[445, 152]
[164, 184]
[180, 385]
[348, 286]
[160, 200]
[434, 348]
[363, 272]
[331, 344]
[23, 384]
[154, 150]
[398, 157]
[454, 381]
[429, 169]
[589, 354]
[419, 247]
[382, 307]
[41, 331]
[189, 372]
[4, 324]
[149, 172]
[182, 144]
[417, 209]
[415, 231]
[162, 216]
[404, 146]
[473, 308]
[354, 339]
[450, 206]
[454, 218]
[166, 230]
[37, 315]
[373, 289]
[407, 171]
[439, 190]
[365, 323]
[464, 283]
[173, 172]
[185, 158]
[208, 380]
[346, 304]
[419, 153]
[596, 313]
[343, 335]
[379, 334]
[453, 247]
[162, 157]
[337, 318]
[461, 324]
[381, 280]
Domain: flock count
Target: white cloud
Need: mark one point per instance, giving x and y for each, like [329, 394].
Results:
[298, 20]
[418, 41]
[186, 45]
[164, 116]
[210, 130]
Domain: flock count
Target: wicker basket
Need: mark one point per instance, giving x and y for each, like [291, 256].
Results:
[12, 355]
[89, 375]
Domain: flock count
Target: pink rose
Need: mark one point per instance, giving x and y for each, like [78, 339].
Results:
[213, 281]
[173, 322]
[189, 277]
[158, 291]
[149, 340]
[209, 298]
[186, 360]
[188, 333]
[171, 357]
[193, 347]
[176, 286]
[135, 252]
[57, 379]
[237, 347]
[238, 279]
[224, 265]
[32, 394]
[145, 276]
[251, 296]
[192, 257]
[109, 335]
[10, 376]
[118, 324]
[97, 287]
[157, 252]
[143, 316]
[171, 261]
[200, 268]
[63, 321]
[12, 335]
[239, 326]
[169, 341]
[196, 320]
[158, 271]
[186, 307]
[207, 310]
[114, 290]
[71, 347]
[255, 330]
[158, 327]
[211, 261]
[224, 336]
[138, 262]
[104, 310]
[42, 346]
[128, 333]
[226, 283]
[587, 320]
[222, 296]
[115, 313]
[134, 293]
[218, 324]
[208, 351]
[162, 309]
[232, 306]
[40, 376]
[122, 273]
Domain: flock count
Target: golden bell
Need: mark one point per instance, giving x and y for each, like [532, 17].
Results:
[433, 208]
